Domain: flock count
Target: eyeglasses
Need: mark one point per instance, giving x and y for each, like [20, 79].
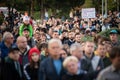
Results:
[11, 38]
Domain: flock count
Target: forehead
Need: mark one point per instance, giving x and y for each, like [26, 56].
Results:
[54, 44]
[89, 43]
[22, 39]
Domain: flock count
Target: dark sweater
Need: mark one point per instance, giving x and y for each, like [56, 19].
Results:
[75, 77]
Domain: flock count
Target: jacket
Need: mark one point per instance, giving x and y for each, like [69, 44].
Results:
[47, 70]
[9, 71]
[29, 27]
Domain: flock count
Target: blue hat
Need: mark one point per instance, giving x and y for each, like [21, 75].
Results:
[113, 32]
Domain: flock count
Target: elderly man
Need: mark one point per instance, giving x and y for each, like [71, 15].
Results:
[76, 50]
[24, 49]
[51, 68]
[6, 43]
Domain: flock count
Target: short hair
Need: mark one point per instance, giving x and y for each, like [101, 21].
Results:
[77, 34]
[74, 47]
[69, 59]
[42, 45]
[115, 51]
[6, 35]
[53, 41]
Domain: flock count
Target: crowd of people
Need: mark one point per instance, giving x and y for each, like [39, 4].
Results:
[57, 49]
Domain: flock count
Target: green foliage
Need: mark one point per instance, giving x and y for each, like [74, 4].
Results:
[87, 38]
[106, 33]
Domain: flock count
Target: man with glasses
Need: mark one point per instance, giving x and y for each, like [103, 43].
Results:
[6, 43]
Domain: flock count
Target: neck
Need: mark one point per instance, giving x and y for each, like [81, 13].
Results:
[55, 57]
[22, 50]
[88, 55]
[36, 65]
[7, 44]
[114, 41]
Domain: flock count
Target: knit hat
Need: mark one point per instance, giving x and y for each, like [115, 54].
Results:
[26, 18]
[33, 50]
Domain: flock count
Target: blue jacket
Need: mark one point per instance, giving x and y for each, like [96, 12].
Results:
[47, 70]
[4, 49]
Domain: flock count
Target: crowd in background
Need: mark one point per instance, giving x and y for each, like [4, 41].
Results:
[56, 49]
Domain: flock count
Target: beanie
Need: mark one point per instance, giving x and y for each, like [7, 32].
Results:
[33, 50]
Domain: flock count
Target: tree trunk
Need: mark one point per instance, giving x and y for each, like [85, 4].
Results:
[32, 7]
[42, 10]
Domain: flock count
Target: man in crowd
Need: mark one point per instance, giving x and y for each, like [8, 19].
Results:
[51, 68]
[6, 44]
[113, 71]
[24, 49]
[91, 63]
[11, 69]
[114, 38]
[71, 36]
[30, 40]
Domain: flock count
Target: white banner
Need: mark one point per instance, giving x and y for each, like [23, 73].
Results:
[88, 13]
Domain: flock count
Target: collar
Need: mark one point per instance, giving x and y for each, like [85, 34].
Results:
[113, 69]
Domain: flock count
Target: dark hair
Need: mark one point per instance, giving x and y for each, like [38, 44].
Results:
[65, 50]
[115, 51]
[42, 45]
[32, 64]
[77, 34]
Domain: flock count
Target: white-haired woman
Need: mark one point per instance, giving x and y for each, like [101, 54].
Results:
[73, 70]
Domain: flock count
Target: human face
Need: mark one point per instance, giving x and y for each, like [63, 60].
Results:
[77, 38]
[116, 62]
[54, 49]
[22, 43]
[43, 38]
[26, 33]
[37, 37]
[101, 50]
[71, 35]
[89, 47]
[72, 67]
[55, 35]
[113, 37]
[63, 54]
[35, 57]
[10, 39]
[77, 53]
[15, 55]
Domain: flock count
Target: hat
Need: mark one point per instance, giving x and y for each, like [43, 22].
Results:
[93, 30]
[25, 29]
[12, 49]
[26, 18]
[113, 32]
[33, 50]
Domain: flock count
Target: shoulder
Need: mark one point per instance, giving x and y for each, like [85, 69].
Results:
[45, 61]
[105, 71]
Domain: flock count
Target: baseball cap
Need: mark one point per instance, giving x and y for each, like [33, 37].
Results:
[12, 49]
[113, 32]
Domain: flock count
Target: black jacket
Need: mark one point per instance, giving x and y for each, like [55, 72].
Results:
[75, 77]
[9, 72]
[30, 73]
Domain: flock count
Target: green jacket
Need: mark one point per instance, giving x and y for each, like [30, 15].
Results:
[29, 28]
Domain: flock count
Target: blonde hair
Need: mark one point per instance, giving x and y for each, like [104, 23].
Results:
[69, 59]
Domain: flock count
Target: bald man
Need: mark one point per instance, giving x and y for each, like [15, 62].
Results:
[24, 49]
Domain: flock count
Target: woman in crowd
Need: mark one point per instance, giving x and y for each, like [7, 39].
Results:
[63, 53]
[73, 70]
[31, 69]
